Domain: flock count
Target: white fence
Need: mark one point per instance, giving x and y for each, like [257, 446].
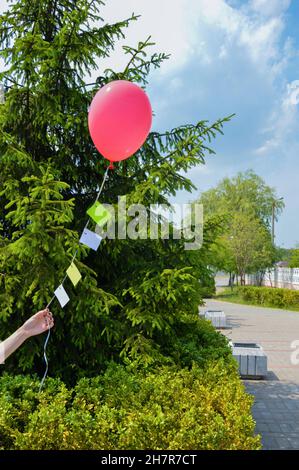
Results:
[276, 277]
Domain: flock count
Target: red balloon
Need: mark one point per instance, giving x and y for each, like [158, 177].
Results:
[119, 119]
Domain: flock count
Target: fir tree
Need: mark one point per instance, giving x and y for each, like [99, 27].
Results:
[138, 299]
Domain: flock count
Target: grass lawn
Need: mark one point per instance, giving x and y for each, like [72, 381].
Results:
[229, 295]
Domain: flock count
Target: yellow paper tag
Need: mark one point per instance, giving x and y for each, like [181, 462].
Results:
[74, 274]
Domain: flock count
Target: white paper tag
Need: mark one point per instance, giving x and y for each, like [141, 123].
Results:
[2, 353]
[90, 239]
[62, 296]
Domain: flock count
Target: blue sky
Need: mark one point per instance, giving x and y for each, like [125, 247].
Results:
[228, 56]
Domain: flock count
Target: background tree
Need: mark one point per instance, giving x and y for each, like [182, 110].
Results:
[250, 245]
[138, 300]
[283, 254]
[244, 203]
[221, 257]
[247, 193]
[294, 258]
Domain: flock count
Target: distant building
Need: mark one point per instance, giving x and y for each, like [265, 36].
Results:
[282, 264]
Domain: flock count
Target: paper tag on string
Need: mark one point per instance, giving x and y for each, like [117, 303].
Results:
[90, 239]
[99, 213]
[74, 274]
[62, 296]
[2, 353]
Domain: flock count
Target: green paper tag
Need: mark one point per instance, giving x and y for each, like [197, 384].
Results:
[98, 213]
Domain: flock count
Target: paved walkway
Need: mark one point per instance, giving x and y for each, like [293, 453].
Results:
[276, 407]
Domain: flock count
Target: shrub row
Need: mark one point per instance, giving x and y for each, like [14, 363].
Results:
[270, 296]
[168, 408]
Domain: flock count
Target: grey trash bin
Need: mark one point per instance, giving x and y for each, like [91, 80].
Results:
[217, 317]
[252, 360]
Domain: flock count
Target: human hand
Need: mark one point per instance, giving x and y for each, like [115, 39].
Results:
[38, 323]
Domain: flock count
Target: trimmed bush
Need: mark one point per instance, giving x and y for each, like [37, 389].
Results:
[269, 296]
[125, 409]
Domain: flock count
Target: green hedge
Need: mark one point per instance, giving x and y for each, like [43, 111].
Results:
[270, 296]
[125, 409]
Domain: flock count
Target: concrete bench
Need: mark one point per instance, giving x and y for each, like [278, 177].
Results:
[216, 317]
[251, 359]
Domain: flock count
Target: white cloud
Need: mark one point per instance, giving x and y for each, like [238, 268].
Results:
[200, 29]
[262, 40]
[270, 7]
[259, 36]
[283, 120]
[163, 20]
[204, 30]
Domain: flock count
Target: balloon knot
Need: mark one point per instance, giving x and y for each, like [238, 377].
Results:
[111, 166]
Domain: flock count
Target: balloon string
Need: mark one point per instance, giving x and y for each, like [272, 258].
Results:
[99, 192]
[54, 296]
[46, 361]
